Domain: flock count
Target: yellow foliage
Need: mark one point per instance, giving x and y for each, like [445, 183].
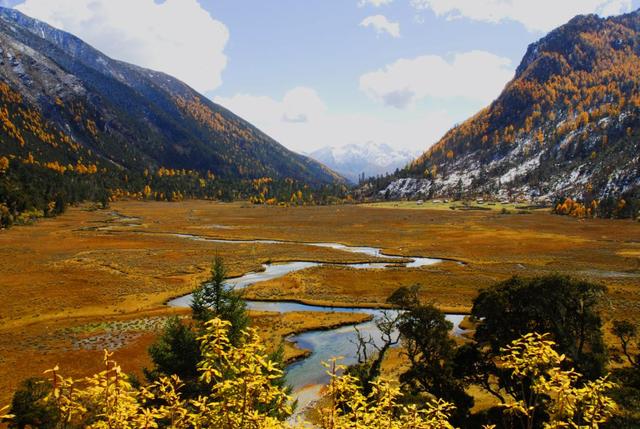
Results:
[213, 120]
[236, 400]
[581, 98]
[30, 159]
[533, 361]
[80, 168]
[9, 127]
[91, 127]
[55, 166]
[4, 164]
[574, 208]
[147, 191]
[382, 408]
[240, 394]
[261, 182]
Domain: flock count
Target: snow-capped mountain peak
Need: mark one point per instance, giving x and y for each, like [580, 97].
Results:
[369, 158]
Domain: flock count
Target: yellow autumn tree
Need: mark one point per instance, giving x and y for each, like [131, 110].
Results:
[382, 408]
[147, 191]
[4, 164]
[537, 366]
[240, 395]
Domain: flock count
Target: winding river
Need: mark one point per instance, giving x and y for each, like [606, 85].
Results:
[307, 376]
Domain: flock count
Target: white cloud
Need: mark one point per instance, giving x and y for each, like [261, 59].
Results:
[374, 3]
[320, 127]
[177, 37]
[535, 15]
[475, 76]
[302, 104]
[382, 25]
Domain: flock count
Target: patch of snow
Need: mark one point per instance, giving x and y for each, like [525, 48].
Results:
[407, 187]
[521, 169]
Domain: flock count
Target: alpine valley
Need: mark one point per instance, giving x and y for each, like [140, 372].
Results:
[165, 263]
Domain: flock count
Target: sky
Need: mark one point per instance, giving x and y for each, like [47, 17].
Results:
[315, 73]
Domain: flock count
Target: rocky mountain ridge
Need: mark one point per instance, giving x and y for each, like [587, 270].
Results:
[128, 116]
[568, 124]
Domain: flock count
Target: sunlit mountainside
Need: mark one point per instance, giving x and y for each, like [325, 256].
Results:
[566, 125]
[93, 127]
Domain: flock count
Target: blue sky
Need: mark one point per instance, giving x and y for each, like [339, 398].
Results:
[313, 73]
[319, 43]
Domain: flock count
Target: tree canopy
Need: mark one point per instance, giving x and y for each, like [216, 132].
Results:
[566, 308]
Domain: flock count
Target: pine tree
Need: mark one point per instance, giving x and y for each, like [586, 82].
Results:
[214, 298]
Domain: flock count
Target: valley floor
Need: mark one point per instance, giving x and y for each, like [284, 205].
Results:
[94, 279]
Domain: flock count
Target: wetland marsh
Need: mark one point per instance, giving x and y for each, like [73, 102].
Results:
[95, 267]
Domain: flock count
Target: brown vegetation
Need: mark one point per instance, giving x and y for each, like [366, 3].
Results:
[123, 264]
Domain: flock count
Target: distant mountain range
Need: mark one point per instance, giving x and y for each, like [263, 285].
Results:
[370, 159]
[568, 124]
[67, 109]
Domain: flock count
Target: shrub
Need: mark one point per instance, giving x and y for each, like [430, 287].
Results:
[240, 395]
[30, 407]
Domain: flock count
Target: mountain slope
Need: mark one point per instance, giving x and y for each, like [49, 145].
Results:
[568, 124]
[65, 102]
[370, 158]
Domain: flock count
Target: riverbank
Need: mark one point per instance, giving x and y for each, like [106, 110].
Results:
[275, 328]
[70, 270]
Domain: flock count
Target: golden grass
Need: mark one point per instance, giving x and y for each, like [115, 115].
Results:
[123, 262]
[34, 348]
[328, 285]
[451, 205]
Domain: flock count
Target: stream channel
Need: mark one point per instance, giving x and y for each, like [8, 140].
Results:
[307, 376]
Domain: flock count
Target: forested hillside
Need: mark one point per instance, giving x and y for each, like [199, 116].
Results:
[567, 125]
[77, 125]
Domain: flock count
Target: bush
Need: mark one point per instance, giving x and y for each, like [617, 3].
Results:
[239, 395]
[30, 406]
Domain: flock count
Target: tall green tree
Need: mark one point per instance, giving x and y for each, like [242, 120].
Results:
[177, 351]
[566, 308]
[426, 338]
[215, 298]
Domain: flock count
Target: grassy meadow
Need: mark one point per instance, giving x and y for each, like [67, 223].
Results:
[92, 278]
